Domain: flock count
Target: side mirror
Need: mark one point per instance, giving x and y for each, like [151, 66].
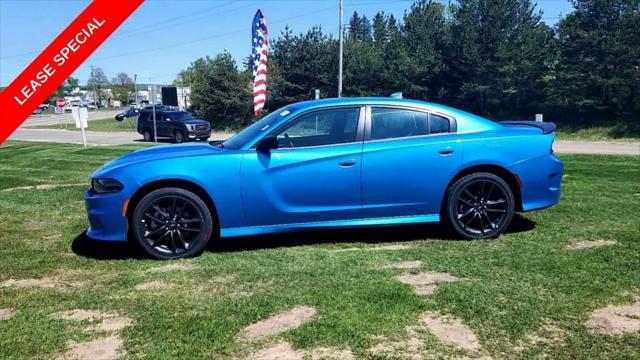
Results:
[267, 143]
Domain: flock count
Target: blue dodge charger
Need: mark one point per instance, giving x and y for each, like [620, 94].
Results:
[331, 163]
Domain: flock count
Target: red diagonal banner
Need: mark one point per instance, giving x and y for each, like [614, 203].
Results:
[60, 59]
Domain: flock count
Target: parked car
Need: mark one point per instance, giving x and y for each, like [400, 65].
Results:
[131, 112]
[171, 123]
[332, 163]
[37, 111]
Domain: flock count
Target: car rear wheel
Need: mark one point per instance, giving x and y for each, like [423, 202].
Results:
[480, 206]
[172, 223]
[147, 135]
[179, 136]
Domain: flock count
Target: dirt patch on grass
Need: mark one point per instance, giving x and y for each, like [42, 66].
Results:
[44, 283]
[7, 314]
[153, 285]
[615, 320]
[424, 283]
[410, 349]
[587, 244]
[101, 349]
[284, 351]
[81, 315]
[331, 354]
[451, 331]
[36, 225]
[392, 247]
[404, 265]
[277, 351]
[173, 267]
[105, 348]
[276, 324]
[43, 187]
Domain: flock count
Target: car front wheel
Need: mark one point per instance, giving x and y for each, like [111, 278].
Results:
[172, 223]
[147, 135]
[179, 136]
[480, 206]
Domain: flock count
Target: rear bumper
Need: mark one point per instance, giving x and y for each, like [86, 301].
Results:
[106, 221]
[541, 179]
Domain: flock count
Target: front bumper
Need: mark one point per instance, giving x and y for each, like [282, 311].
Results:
[200, 134]
[541, 179]
[106, 221]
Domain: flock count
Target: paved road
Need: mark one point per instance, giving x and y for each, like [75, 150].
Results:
[118, 138]
[93, 137]
[54, 119]
[597, 147]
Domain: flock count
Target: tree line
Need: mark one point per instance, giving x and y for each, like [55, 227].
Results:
[498, 59]
[121, 86]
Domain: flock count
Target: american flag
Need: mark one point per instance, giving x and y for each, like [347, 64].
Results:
[259, 51]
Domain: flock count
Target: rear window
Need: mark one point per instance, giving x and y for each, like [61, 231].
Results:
[438, 124]
[387, 123]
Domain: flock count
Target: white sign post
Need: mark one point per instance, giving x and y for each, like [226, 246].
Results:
[539, 117]
[80, 116]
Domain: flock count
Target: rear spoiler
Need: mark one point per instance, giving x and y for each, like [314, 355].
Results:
[546, 127]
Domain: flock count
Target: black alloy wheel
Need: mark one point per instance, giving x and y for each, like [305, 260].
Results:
[179, 136]
[172, 223]
[480, 206]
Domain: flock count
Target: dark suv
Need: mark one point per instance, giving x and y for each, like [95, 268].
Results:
[173, 124]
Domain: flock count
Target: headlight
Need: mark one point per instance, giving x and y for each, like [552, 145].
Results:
[105, 186]
[191, 127]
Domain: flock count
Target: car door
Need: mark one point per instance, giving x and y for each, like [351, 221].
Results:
[408, 158]
[313, 176]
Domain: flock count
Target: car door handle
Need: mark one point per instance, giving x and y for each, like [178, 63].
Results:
[347, 163]
[445, 151]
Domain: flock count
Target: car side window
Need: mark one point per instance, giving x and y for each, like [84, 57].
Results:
[324, 127]
[144, 116]
[438, 124]
[387, 123]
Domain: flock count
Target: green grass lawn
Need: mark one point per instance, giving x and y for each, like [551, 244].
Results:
[106, 125]
[524, 295]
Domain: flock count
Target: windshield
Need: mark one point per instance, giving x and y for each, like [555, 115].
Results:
[180, 116]
[240, 139]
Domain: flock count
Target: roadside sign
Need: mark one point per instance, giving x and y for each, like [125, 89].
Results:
[317, 94]
[80, 116]
[60, 102]
[539, 117]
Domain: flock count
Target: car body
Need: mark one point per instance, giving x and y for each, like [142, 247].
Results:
[37, 111]
[131, 112]
[332, 163]
[171, 123]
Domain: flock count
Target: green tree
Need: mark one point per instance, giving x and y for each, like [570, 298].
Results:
[598, 77]
[220, 93]
[299, 64]
[122, 85]
[502, 57]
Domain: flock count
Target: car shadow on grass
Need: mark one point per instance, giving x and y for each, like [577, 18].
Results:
[370, 235]
[106, 250]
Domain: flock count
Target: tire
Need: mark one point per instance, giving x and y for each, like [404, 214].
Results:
[172, 223]
[479, 206]
[179, 136]
[147, 135]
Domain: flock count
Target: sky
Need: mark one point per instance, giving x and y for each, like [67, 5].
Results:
[163, 37]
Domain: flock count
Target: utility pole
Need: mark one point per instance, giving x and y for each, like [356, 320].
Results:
[341, 30]
[95, 93]
[135, 88]
[153, 106]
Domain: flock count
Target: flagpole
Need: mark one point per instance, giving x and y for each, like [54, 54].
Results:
[341, 35]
